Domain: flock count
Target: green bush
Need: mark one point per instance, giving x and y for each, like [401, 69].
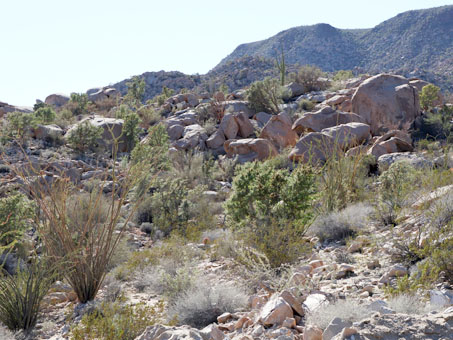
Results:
[135, 91]
[395, 185]
[84, 137]
[22, 294]
[306, 105]
[16, 211]
[17, 126]
[429, 95]
[343, 75]
[78, 104]
[45, 115]
[131, 125]
[116, 321]
[311, 78]
[272, 207]
[265, 95]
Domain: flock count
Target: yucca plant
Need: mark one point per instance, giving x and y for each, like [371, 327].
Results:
[21, 294]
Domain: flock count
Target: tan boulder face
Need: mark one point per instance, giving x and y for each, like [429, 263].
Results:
[349, 135]
[324, 118]
[275, 311]
[245, 126]
[386, 102]
[263, 148]
[216, 140]
[312, 333]
[279, 130]
[56, 99]
[229, 126]
[313, 147]
[395, 133]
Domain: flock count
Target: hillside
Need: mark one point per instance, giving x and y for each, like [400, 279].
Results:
[416, 43]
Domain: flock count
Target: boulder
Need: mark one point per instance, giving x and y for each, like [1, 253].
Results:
[56, 99]
[229, 126]
[386, 102]
[102, 94]
[312, 333]
[237, 106]
[292, 301]
[414, 159]
[175, 131]
[349, 135]
[313, 147]
[314, 301]
[194, 135]
[48, 132]
[262, 118]
[261, 148]
[324, 118]
[216, 140]
[275, 311]
[245, 126]
[159, 332]
[335, 327]
[278, 130]
[295, 89]
[112, 130]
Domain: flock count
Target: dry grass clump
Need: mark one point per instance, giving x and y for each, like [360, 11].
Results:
[203, 303]
[408, 304]
[337, 226]
[349, 310]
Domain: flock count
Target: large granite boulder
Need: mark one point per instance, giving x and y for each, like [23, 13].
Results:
[386, 102]
[56, 99]
[279, 130]
[324, 118]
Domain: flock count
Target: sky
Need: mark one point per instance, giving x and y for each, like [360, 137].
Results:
[62, 46]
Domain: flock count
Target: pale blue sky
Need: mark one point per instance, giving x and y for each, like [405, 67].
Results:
[64, 46]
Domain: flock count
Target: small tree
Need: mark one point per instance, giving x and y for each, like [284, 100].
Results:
[135, 91]
[429, 95]
[84, 136]
[265, 95]
[311, 78]
[273, 208]
[78, 103]
[45, 115]
[17, 127]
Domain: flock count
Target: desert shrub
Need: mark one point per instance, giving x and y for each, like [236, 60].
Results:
[131, 125]
[428, 96]
[83, 231]
[337, 226]
[166, 93]
[441, 211]
[408, 304]
[84, 136]
[349, 310]
[16, 214]
[396, 183]
[439, 125]
[149, 116]
[195, 168]
[272, 207]
[342, 75]
[45, 115]
[17, 127]
[306, 105]
[342, 180]
[22, 294]
[116, 321]
[311, 78]
[201, 305]
[64, 118]
[265, 95]
[78, 104]
[135, 91]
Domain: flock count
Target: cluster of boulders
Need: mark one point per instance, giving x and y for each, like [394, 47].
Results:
[372, 115]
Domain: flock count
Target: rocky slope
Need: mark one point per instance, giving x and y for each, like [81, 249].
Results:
[416, 43]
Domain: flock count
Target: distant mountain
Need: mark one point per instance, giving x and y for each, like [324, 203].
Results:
[415, 44]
